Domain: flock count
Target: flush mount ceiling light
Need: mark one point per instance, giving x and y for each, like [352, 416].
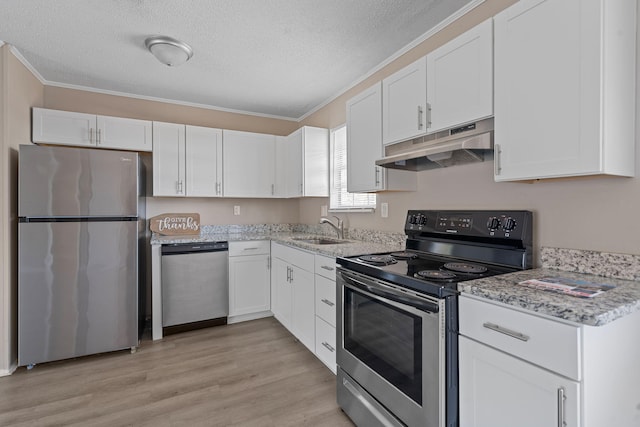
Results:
[168, 50]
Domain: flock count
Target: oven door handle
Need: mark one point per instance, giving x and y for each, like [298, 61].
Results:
[393, 295]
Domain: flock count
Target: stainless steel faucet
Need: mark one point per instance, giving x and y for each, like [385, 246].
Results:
[339, 228]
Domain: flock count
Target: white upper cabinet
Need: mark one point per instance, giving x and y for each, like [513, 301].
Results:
[404, 106]
[168, 159]
[364, 147]
[460, 79]
[80, 129]
[63, 127]
[302, 163]
[565, 89]
[124, 134]
[249, 164]
[203, 168]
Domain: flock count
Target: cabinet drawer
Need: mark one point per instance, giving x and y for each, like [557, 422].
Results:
[253, 247]
[298, 257]
[326, 343]
[326, 299]
[547, 343]
[326, 266]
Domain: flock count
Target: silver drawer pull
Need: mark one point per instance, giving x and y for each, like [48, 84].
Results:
[561, 400]
[328, 347]
[500, 329]
[326, 267]
[250, 249]
[329, 303]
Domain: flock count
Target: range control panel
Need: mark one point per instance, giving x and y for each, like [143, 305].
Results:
[497, 224]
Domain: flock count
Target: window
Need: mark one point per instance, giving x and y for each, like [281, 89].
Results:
[339, 198]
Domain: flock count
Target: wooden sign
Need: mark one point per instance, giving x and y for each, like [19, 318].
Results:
[175, 224]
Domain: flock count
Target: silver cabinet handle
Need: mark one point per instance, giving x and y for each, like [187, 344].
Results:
[217, 188]
[291, 275]
[268, 263]
[428, 115]
[90, 135]
[509, 332]
[329, 303]
[377, 176]
[273, 190]
[98, 136]
[328, 346]
[420, 125]
[326, 267]
[497, 152]
[288, 274]
[561, 400]
[250, 249]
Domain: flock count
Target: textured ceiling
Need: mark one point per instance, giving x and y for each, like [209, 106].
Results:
[279, 58]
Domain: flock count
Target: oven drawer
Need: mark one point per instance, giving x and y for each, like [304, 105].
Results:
[326, 343]
[544, 342]
[326, 299]
[326, 266]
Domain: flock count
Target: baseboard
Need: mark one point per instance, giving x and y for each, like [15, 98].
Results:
[11, 370]
[250, 316]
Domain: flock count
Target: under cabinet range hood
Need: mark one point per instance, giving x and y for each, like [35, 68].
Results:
[465, 144]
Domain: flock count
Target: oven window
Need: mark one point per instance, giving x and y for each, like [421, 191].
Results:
[387, 339]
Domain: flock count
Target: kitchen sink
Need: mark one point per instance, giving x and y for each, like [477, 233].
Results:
[319, 240]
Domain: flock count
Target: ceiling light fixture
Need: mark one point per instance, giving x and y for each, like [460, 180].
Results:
[168, 50]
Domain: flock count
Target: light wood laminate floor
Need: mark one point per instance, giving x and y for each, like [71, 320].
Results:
[246, 374]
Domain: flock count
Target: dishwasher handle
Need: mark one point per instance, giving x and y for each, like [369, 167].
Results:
[189, 248]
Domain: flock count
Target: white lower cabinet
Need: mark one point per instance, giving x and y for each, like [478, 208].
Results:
[249, 280]
[518, 368]
[293, 292]
[499, 390]
[325, 278]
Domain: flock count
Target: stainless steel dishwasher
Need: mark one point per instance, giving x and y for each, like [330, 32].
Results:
[195, 285]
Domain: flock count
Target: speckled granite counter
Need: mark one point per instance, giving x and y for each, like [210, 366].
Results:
[359, 242]
[613, 269]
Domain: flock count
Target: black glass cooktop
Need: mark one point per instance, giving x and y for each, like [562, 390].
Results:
[430, 274]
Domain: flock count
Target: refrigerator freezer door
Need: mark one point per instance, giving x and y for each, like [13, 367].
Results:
[77, 289]
[77, 182]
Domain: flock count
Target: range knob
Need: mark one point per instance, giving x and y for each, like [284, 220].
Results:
[509, 224]
[422, 220]
[493, 223]
[413, 219]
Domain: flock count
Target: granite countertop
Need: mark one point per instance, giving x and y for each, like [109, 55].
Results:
[352, 247]
[596, 311]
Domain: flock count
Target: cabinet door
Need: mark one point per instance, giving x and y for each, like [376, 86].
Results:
[124, 134]
[249, 284]
[203, 153]
[282, 174]
[404, 103]
[63, 127]
[303, 318]
[168, 159]
[281, 292]
[293, 169]
[364, 141]
[249, 164]
[499, 390]
[460, 79]
[552, 116]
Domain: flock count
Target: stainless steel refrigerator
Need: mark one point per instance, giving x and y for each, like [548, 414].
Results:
[81, 216]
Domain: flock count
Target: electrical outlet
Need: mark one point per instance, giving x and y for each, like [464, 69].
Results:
[236, 210]
[323, 210]
[384, 210]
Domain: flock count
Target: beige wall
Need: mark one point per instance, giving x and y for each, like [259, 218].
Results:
[20, 91]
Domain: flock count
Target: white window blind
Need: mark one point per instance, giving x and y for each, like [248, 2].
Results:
[339, 198]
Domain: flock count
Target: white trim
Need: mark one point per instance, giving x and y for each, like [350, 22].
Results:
[459, 13]
[27, 64]
[167, 101]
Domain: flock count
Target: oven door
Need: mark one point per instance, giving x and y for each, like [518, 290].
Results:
[391, 352]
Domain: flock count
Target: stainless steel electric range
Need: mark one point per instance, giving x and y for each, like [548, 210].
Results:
[397, 328]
